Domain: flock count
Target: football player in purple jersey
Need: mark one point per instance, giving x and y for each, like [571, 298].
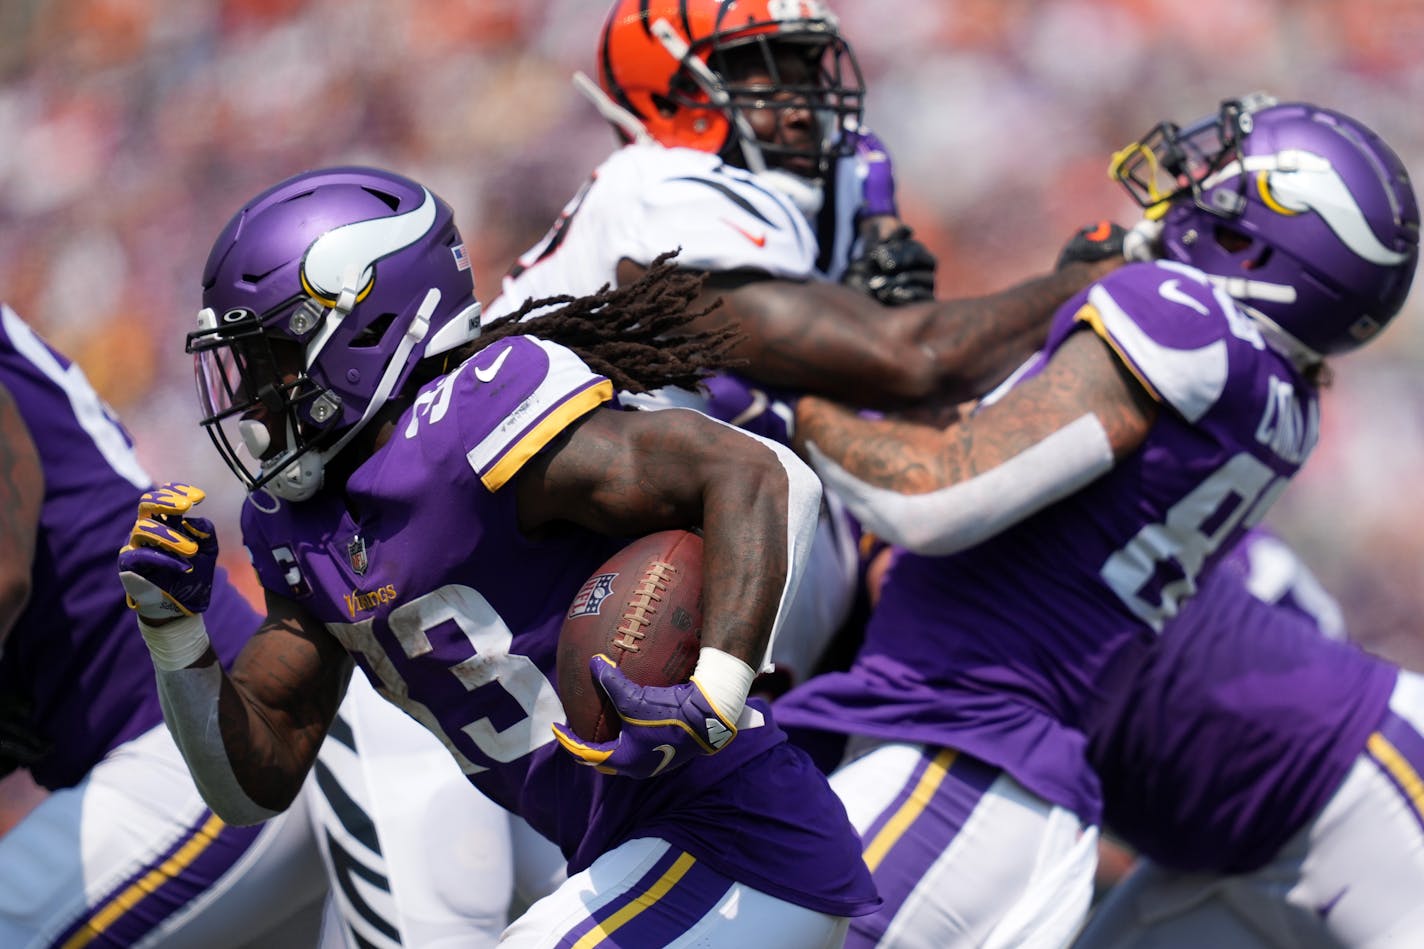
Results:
[1054, 532]
[122, 850]
[426, 499]
[1267, 772]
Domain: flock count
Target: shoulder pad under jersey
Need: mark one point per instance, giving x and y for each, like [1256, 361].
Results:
[508, 402]
[720, 216]
[1177, 333]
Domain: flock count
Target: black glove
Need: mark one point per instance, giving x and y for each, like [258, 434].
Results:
[1095, 242]
[895, 269]
[20, 746]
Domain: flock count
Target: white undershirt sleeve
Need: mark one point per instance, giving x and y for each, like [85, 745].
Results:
[190, 707]
[964, 514]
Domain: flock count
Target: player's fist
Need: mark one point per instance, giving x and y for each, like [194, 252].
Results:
[1088, 245]
[761, 410]
[895, 269]
[663, 727]
[1106, 240]
[167, 566]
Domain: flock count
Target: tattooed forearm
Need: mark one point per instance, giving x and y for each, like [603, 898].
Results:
[1083, 377]
[899, 456]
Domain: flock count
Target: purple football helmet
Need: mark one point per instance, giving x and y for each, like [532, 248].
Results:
[1301, 213]
[319, 298]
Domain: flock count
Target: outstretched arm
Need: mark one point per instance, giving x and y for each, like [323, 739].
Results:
[937, 491]
[829, 339]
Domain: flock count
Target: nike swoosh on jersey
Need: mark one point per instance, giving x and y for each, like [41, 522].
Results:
[488, 374]
[1191, 380]
[667, 751]
[1171, 291]
[757, 239]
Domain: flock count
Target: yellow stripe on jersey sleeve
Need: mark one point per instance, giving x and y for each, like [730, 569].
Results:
[540, 435]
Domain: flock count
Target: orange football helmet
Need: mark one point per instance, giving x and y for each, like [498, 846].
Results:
[665, 63]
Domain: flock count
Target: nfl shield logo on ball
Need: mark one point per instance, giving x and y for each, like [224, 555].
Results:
[356, 555]
[591, 595]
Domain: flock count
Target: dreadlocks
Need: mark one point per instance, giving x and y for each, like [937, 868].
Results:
[628, 333]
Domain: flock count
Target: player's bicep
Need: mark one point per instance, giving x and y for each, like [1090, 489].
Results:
[629, 472]
[21, 494]
[815, 336]
[1083, 377]
[715, 287]
[937, 492]
[291, 675]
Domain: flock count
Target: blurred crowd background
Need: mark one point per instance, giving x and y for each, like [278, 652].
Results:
[130, 130]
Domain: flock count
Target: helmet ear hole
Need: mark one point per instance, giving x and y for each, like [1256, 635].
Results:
[1234, 241]
[1230, 239]
[371, 336]
[665, 106]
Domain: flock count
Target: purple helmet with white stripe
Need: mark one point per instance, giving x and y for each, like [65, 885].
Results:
[319, 298]
[1301, 213]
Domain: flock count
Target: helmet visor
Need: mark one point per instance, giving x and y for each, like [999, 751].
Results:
[252, 401]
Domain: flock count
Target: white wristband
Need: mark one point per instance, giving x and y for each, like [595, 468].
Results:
[725, 680]
[176, 645]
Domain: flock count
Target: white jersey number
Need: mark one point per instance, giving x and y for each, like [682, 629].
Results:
[1171, 554]
[477, 657]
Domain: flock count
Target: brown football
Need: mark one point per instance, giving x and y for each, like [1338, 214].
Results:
[642, 609]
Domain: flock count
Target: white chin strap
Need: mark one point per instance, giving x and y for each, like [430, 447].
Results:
[255, 437]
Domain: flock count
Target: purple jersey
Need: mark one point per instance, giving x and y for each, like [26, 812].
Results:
[422, 573]
[76, 650]
[1008, 650]
[1239, 726]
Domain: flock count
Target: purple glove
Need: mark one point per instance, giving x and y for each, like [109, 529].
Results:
[663, 727]
[167, 566]
[758, 409]
[878, 189]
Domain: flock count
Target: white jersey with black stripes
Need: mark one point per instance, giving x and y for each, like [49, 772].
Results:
[645, 200]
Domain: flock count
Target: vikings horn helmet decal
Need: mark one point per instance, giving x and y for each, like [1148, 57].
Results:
[320, 297]
[326, 263]
[1302, 214]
